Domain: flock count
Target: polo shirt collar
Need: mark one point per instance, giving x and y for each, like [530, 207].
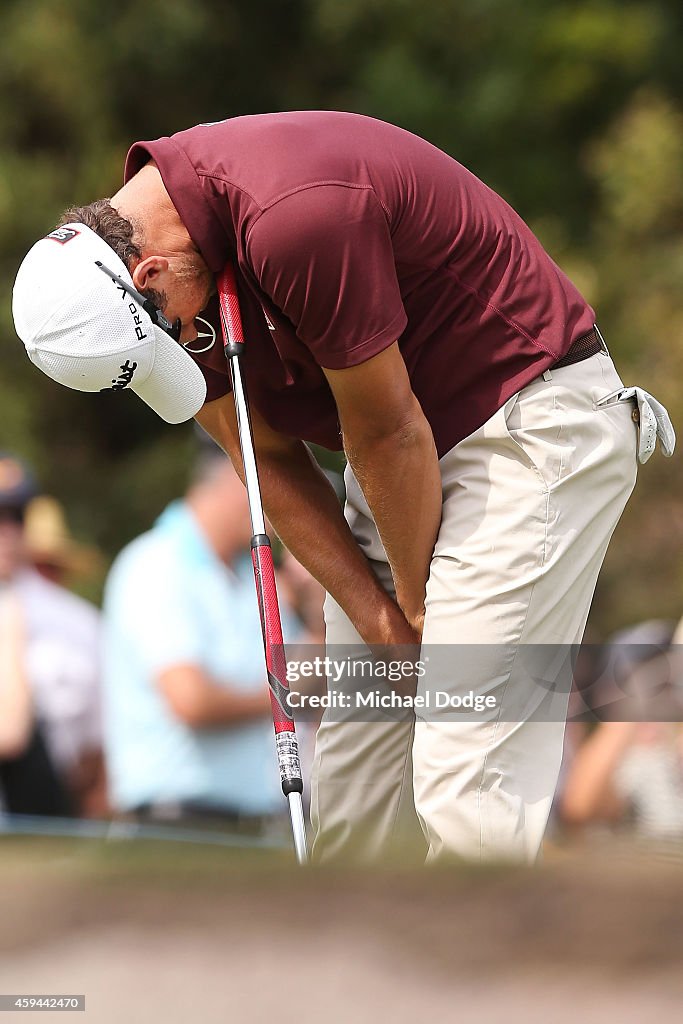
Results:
[214, 239]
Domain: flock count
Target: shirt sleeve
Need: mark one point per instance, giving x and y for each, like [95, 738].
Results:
[324, 256]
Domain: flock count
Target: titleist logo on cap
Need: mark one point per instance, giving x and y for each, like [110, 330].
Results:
[124, 378]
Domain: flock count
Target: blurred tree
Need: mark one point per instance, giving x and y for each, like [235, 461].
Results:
[78, 83]
[638, 235]
[511, 90]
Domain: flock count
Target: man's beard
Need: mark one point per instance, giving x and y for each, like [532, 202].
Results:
[160, 299]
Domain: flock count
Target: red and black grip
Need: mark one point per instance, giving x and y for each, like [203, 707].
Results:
[228, 300]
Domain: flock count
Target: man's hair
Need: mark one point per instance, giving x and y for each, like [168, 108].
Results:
[102, 218]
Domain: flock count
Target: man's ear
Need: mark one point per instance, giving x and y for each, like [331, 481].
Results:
[148, 273]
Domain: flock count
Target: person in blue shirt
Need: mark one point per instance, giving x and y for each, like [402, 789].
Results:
[188, 732]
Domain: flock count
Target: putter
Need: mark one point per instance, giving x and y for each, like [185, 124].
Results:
[264, 574]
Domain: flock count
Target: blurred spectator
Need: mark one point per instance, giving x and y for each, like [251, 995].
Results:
[60, 658]
[51, 549]
[188, 732]
[16, 709]
[630, 772]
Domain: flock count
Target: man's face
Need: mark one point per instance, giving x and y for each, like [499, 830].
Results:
[11, 542]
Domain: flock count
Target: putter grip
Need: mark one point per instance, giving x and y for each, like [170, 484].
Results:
[276, 662]
[228, 300]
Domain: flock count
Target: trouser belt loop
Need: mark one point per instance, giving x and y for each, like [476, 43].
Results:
[599, 334]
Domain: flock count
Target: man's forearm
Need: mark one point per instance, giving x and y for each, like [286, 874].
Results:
[305, 512]
[400, 479]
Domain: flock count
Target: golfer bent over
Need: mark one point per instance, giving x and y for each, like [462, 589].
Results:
[398, 308]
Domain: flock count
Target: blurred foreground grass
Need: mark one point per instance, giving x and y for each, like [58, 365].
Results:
[175, 932]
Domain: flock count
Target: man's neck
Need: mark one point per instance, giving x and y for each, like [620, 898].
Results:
[145, 202]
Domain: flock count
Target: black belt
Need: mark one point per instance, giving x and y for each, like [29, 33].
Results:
[583, 348]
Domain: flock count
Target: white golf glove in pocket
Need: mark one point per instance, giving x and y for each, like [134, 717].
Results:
[652, 420]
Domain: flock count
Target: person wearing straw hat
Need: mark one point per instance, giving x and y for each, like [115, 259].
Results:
[61, 646]
[50, 547]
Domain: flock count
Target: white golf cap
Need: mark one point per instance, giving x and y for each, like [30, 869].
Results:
[83, 329]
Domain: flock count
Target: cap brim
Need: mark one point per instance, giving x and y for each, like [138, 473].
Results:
[175, 388]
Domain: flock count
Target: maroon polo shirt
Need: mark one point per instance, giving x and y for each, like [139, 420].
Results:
[349, 234]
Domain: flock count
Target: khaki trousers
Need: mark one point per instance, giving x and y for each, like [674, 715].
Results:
[530, 501]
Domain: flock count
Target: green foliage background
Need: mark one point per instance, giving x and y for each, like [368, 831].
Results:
[571, 109]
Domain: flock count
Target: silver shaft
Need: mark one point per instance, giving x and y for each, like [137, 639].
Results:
[258, 524]
[296, 810]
